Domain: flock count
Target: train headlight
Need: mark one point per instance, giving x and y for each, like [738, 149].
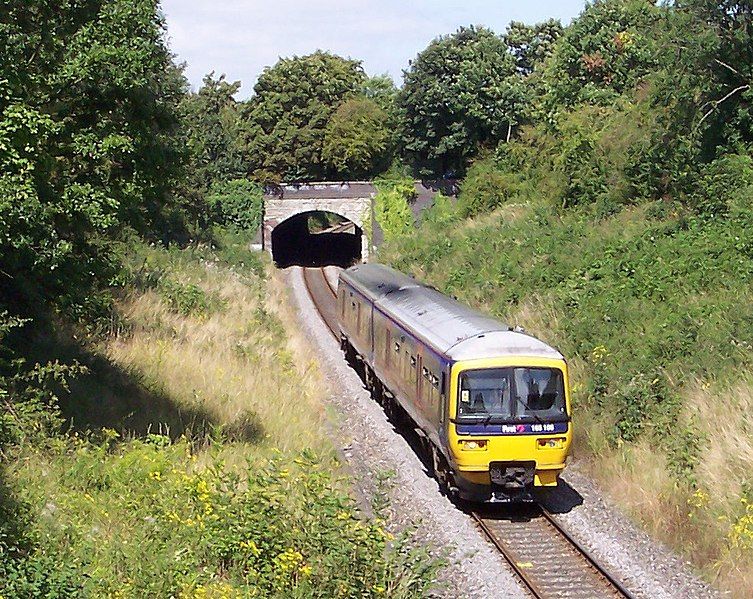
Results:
[473, 444]
[553, 443]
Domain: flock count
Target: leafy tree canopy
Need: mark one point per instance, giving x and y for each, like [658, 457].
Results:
[461, 92]
[87, 140]
[381, 89]
[287, 118]
[358, 140]
[211, 119]
[531, 45]
[603, 53]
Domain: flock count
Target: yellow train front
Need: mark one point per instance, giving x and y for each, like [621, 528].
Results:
[490, 403]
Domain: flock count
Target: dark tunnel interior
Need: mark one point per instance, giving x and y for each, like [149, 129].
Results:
[316, 239]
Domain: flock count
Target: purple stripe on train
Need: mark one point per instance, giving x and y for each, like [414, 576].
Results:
[534, 428]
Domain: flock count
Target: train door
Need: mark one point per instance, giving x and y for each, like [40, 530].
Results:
[419, 379]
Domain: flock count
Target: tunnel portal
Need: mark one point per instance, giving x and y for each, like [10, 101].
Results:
[316, 238]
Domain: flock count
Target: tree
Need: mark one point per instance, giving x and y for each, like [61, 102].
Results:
[87, 141]
[531, 45]
[358, 140]
[286, 120]
[604, 52]
[211, 120]
[381, 89]
[460, 93]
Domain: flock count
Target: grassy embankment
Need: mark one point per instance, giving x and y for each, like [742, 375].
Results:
[653, 306]
[198, 464]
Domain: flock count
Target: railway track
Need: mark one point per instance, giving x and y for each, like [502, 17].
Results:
[549, 562]
[323, 295]
[544, 555]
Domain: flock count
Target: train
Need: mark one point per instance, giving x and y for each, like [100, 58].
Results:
[489, 402]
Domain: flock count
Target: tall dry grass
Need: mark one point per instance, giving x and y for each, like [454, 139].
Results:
[710, 522]
[237, 361]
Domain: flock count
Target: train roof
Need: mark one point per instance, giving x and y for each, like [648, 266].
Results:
[451, 328]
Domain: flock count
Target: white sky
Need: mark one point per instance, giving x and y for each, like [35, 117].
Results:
[241, 37]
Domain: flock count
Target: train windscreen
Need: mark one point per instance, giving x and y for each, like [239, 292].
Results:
[517, 394]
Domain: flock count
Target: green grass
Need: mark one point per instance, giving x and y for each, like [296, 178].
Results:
[653, 307]
[198, 462]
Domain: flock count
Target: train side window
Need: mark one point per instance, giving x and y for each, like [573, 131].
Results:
[397, 346]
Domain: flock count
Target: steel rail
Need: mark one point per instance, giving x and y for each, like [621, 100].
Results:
[596, 563]
[315, 291]
[510, 558]
[569, 569]
[331, 288]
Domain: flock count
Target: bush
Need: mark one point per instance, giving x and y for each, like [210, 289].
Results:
[441, 213]
[485, 187]
[391, 204]
[724, 183]
[237, 203]
[275, 527]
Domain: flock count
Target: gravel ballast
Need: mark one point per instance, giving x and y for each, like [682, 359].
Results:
[375, 452]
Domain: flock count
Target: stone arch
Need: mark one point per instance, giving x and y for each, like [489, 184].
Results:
[294, 242]
[278, 210]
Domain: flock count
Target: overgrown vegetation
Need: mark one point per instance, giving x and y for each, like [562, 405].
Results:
[230, 490]
[617, 225]
[607, 205]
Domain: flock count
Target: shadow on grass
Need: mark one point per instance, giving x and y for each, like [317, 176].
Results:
[112, 397]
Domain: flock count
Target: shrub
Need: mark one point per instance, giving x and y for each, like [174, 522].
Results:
[237, 203]
[485, 188]
[275, 527]
[724, 183]
[441, 213]
[391, 204]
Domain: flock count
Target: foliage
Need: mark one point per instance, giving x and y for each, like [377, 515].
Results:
[442, 212]
[277, 527]
[392, 204]
[238, 203]
[358, 140]
[381, 89]
[606, 51]
[484, 188]
[238, 508]
[460, 93]
[286, 119]
[28, 396]
[86, 141]
[532, 45]
[212, 128]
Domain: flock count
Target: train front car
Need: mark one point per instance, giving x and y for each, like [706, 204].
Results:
[509, 416]
[491, 403]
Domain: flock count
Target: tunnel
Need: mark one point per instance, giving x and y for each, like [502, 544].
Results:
[316, 239]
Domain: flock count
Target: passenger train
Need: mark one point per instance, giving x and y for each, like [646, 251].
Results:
[490, 403]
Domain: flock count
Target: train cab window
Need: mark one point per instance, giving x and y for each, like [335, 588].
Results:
[512, 394]
[539, 390]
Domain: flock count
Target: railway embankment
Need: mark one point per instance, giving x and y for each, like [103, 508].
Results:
[651, 304]
[383, 460]
[190, 456]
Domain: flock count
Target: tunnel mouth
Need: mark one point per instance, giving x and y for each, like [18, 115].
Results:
[316, 238]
